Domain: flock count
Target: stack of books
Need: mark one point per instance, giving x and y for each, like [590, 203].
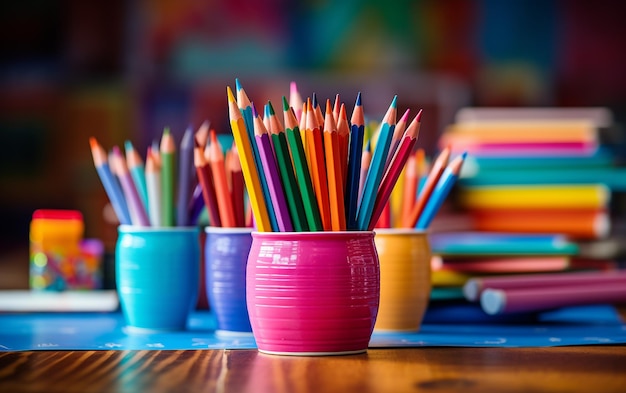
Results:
[537, 187]
[546, 171]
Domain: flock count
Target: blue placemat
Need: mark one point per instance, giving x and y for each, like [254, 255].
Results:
[452, 325]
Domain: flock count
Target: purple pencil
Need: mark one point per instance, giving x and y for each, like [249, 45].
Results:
[270, 168]
[196, 205]
[137, 212]
[185, 171]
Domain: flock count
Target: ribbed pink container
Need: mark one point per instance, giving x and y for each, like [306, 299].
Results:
[312, 293]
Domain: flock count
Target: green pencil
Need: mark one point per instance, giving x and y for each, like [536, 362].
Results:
[301, 167]
[168, 163]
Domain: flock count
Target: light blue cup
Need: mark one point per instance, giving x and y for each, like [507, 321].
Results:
[157, 276]
[226, 257]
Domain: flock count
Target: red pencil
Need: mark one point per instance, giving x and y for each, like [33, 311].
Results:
[398, 161]
[237, 186]
[208, 189]
[222, 192]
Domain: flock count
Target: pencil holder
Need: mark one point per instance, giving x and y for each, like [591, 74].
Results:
[226, 255]
[312, 293]
[157, 276]
[404, 278]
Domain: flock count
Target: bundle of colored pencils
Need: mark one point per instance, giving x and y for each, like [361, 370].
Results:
[174, 185]
[310, 171]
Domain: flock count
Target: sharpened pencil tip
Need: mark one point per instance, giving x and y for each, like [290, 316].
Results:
[394, 103]
[128, 146]
[271, 108]
[229, 93]
[358, 99]
[237, 84]
[419, 116]
[255, 114]
[285, 103]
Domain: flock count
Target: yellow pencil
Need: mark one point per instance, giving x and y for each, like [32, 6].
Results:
[250, 175]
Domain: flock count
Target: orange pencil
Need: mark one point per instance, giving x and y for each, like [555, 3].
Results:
[431, 181]
[334, 172]
[410, 186]
[222, 192]
[343, 131]
[318, 167]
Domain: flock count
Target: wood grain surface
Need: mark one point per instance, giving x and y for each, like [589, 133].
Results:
[561, 369]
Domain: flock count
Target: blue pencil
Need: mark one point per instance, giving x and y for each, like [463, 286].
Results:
[111, 186]
[441, 191]
[244, 104]
[351, 194]
[377, 167]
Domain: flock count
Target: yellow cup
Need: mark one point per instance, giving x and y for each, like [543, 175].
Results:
[405, 282]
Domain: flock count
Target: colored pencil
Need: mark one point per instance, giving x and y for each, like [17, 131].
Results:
[398, 133]
[343, 135]
[475, 286]
[270, 168]
[366, 159]
[205, 179]
[410, 187]
[248, 166]
[137, 171]
[377, 167]
[109, 182]
[405, 147]
[333, 168]
[336, 108]
[222, 190]
[202, 135]
[440, 192]
[137, 211]
[353, 175]
[196, 204]
[318, 166]
[431, 181]
[168, 182]
[507, 301]
[185, 179]
[245, 107]
[295, 100]
[153, 187]
[301, 168]
[237, 187]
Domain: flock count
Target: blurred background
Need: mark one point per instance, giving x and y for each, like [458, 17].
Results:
[124, 70]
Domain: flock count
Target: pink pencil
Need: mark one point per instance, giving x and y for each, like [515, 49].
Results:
[475, 286]
[137, 211]
[506, 301]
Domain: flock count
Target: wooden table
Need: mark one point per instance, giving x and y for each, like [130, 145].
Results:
[563, 369]
[560, 369]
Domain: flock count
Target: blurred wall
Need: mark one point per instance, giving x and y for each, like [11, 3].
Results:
[122, 70]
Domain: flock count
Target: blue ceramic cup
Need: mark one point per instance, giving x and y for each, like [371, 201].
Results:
[226, 256]
[157, 276]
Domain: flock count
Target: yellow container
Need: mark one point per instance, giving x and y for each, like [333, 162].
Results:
[405, 281]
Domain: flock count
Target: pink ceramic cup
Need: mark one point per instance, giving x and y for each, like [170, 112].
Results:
[312, 293]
